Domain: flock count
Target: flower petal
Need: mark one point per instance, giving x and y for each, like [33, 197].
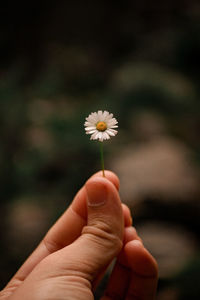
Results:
[94, 135]
[111, 132]
[100, 114]
[88, 123]
[91, 131]
[105, 115]
[106, 136]
[90, 128]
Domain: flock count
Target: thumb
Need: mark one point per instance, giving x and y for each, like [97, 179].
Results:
[101, 238]
[104, 230]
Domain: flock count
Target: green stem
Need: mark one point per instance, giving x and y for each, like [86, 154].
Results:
[102, 158]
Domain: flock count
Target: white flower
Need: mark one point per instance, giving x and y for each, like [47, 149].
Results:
[100, 125]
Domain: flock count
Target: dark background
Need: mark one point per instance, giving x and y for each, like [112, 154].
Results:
[60, 60]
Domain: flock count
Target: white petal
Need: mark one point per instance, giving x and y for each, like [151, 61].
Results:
[94, 114]
[105, 114]
[91, 131]
[94, 136]
[100, 114]
[97, 135]
[111, 132]
[108, 117]
[88, 124]
[112, 126]
[114, 131]
[100, 135]
[93, 117]
[106, 135]
[90, 120]
[90, 128]
[111, 122]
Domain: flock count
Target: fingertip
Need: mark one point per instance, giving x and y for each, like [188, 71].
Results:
[130, 234]
[79, 204]
[111, 176]
[99, 181]
[140, 260]
[97, 191]
[102, 188]
[104, 205]
[136, 243]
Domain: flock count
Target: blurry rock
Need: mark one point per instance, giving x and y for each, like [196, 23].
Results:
[158, 169]
[172, 246]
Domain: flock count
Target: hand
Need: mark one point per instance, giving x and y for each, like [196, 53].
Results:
[76, 251]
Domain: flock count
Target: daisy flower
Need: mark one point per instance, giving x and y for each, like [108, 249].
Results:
[101, 125]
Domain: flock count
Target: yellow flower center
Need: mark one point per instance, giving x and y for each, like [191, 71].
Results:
[101, 126]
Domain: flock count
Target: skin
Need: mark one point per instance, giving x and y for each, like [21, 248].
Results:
[75, 253]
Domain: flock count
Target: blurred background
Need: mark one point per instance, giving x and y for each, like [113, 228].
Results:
[61, 60]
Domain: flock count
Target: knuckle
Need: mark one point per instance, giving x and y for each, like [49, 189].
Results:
[103, 236]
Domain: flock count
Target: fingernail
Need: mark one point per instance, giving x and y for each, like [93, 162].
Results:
[96, 193]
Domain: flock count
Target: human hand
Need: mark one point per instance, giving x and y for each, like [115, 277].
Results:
[76, 251]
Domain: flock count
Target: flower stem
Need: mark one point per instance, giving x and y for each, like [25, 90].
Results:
[102, 158]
